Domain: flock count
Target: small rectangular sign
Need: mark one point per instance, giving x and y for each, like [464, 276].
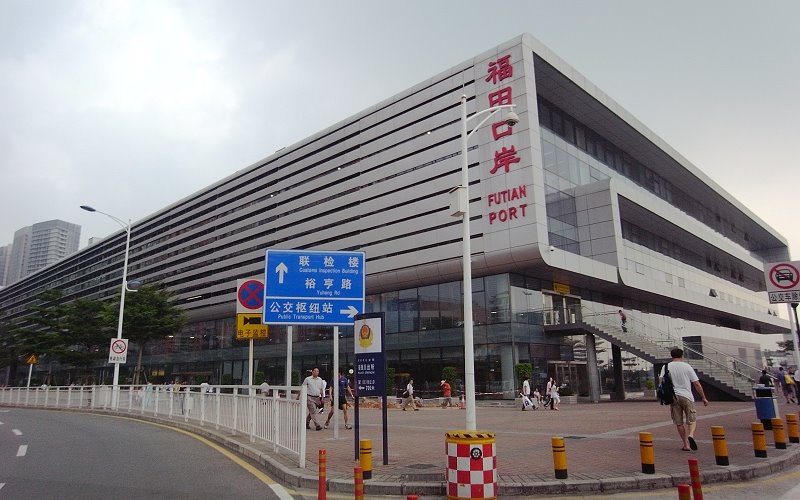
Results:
[118, 351]
[250, 326]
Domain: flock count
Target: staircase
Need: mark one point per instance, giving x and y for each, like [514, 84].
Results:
[652, 345]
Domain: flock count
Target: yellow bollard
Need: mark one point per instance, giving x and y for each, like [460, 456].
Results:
[791, 428]
[759, 440]
[720, 445]
[365, 457]
[358, 483]
[779, 433]
[647, 453]
[559, 457]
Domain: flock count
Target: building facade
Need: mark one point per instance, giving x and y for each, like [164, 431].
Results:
[5, 256]
[41, 245]
[578, 211]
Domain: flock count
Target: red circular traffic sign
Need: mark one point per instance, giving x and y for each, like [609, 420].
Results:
[118, 346]
[784, 276]
[251, 294]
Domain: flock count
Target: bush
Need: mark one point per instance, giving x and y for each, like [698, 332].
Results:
[523, 371]
[650, 384]
[566, 391]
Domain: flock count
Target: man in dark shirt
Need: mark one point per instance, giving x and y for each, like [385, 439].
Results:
[765, 379]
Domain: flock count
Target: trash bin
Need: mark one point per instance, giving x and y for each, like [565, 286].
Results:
[766, 405]
[471, 465]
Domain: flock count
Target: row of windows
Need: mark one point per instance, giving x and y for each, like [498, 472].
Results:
[586, 139]
[730, 269]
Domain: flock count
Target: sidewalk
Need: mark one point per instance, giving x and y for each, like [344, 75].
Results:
[602, 443]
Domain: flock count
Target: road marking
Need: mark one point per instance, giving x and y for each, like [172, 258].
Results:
[17, 432]
[276, 488]
[1, 485]
[22, 450]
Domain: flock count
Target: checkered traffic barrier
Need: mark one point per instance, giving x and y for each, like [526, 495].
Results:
[471, 465]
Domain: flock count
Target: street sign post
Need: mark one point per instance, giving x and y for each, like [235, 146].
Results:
[309, 287]
[783, 281]
[118, 352]
[249, 326]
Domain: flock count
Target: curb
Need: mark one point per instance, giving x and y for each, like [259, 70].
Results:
[301, 478]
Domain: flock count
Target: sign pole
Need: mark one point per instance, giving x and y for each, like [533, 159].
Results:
[250, 366]
[796, 336]
[335, 382]
[289, 331]
[30, 371]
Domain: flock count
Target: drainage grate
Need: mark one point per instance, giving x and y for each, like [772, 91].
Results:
[421, 478]
[574, 437]
[421, 466]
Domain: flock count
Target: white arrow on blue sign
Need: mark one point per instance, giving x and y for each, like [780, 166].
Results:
[312, 287]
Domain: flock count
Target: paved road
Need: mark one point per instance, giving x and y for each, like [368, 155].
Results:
[51, 454]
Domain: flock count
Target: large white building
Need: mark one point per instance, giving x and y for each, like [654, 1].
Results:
[578, 211]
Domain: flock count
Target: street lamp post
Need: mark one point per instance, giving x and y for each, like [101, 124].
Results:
[123, 288]
[462, 192]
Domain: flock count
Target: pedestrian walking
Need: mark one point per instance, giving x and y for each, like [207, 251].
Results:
[555, 399]
[447, 393]
[623, 320]
[315, 391]
[408, 396]
[682, 409]
[526, 394]
[548, 390]
[791, 385]
[765, 379]
[787, 391]
[344, 390]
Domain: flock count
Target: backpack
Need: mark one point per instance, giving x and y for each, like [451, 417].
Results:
[666, 391]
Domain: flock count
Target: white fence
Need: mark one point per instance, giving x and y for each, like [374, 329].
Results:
[278, 418]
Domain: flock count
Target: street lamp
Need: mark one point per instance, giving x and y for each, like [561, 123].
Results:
[461, 200]
[124, 288]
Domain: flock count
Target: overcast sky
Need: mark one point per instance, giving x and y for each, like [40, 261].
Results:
[130, 106]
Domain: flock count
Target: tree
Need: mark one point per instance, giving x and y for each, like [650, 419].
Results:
[73, 333]
[785, 345]
[149, 315]
[523, 371]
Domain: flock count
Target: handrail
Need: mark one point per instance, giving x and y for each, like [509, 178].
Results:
[610, 320]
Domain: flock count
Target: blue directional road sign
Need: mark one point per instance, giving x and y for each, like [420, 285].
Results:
[312, 287]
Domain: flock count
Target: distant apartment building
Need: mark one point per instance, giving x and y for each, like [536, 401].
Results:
[41, 245]
[5, 254]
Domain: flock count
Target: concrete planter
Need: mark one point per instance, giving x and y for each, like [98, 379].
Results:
[569, 400]
[649, 394]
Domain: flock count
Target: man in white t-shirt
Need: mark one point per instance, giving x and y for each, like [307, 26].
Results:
[315, 392]
[526, 392]
[684, 415]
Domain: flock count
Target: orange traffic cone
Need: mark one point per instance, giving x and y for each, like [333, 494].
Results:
[463, 404]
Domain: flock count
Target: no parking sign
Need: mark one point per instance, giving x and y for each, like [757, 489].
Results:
[783, 281]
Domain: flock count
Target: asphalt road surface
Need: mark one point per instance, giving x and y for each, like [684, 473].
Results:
[52, 454]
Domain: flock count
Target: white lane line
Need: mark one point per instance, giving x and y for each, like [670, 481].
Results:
[280, 492]
[22, 450]
[16, 432]
[1, 485]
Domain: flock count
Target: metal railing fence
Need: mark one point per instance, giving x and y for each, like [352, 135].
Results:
[277, 418]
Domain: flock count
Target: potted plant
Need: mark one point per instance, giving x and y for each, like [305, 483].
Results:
[649, 389]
